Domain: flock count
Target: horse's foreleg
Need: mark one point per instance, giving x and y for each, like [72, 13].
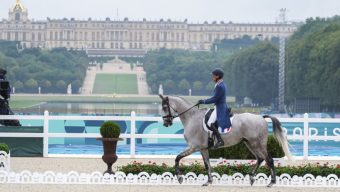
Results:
[205, 156]
[186, 152]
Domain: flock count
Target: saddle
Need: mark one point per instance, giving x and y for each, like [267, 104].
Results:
[212, 138]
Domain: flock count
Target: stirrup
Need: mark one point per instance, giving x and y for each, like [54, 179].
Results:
[218, 144]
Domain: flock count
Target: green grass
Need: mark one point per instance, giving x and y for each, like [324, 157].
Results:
[115, 83]
[23, 104]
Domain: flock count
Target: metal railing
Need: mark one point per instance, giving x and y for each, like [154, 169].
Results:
[306, 134]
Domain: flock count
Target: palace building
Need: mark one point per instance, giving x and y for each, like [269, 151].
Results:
[118, 37]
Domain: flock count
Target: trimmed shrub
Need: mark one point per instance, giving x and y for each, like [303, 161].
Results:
[4, 147]
[240, 151]
[110, 130]
[316, 170]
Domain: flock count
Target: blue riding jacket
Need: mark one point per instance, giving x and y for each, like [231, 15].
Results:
[219, 99]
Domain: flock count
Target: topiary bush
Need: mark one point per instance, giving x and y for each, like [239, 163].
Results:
[240, 151]
[4, 147]
[110, 130]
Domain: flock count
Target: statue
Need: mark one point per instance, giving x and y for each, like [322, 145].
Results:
[160, 90]
[69, 89]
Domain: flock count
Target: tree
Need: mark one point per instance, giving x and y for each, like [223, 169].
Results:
[197, 86]
[42, 66]
[61, 85]
[313, 62]
[184, 86]
[169, 86]
[31, 86]
[18, 85]
[254, 73]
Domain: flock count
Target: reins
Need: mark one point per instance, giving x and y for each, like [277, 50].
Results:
[175, 116]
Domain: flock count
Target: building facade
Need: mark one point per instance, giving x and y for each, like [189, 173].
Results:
[121, 35]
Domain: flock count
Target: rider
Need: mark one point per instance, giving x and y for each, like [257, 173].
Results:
[219, 99]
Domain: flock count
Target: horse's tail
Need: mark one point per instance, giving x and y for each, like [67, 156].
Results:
[280, 136]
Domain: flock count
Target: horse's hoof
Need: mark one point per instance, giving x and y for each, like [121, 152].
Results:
[180, 179]
[207, 183]
[270, 184]
[252, 181]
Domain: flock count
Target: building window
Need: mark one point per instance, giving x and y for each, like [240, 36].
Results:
[68, 35]
[17, 17]
[93, 36]
[165, 36]
[140, 36]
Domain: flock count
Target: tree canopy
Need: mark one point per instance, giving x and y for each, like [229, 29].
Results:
[313, 62]
[52, 70]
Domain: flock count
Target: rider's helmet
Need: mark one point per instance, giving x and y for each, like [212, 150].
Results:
[218, 72]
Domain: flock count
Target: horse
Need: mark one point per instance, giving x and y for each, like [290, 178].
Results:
[248, 128]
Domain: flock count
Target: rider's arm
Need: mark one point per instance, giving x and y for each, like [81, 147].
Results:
[217, 95]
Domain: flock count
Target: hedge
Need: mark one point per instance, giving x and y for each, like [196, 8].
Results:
[153, 168]
[240, 151]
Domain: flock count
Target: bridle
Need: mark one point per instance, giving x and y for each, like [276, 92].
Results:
[171, 117]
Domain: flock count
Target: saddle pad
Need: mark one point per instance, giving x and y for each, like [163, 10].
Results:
[206, 118]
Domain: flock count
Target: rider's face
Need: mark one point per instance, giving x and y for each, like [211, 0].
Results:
[214, 78]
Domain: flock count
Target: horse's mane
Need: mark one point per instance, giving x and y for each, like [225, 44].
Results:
[183, 99]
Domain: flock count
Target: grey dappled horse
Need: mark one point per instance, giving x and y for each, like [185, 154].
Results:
[248, 128]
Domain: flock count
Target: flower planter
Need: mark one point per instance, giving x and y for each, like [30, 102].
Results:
[109, 156]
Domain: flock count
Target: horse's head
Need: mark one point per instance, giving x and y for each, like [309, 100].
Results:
[168, 117]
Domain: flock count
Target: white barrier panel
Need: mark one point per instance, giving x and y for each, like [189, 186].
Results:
[237, 179]
[5, 164]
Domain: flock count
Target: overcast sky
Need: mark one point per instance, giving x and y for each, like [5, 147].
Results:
[194, 10]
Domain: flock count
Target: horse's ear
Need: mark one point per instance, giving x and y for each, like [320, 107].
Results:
[161, 96]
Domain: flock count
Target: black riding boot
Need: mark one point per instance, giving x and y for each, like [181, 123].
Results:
[219, 142]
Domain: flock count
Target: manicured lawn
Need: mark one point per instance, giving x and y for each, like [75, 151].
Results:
[115, 83]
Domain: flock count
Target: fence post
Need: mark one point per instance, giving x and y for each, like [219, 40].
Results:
[45, 139]
[133, 135]
[305, 136]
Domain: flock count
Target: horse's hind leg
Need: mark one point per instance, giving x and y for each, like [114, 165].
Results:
[186, 152]
[270, 163]
[258, 163]
[205, 156]
[253, 172]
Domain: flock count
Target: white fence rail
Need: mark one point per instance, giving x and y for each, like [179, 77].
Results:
[305, 134]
